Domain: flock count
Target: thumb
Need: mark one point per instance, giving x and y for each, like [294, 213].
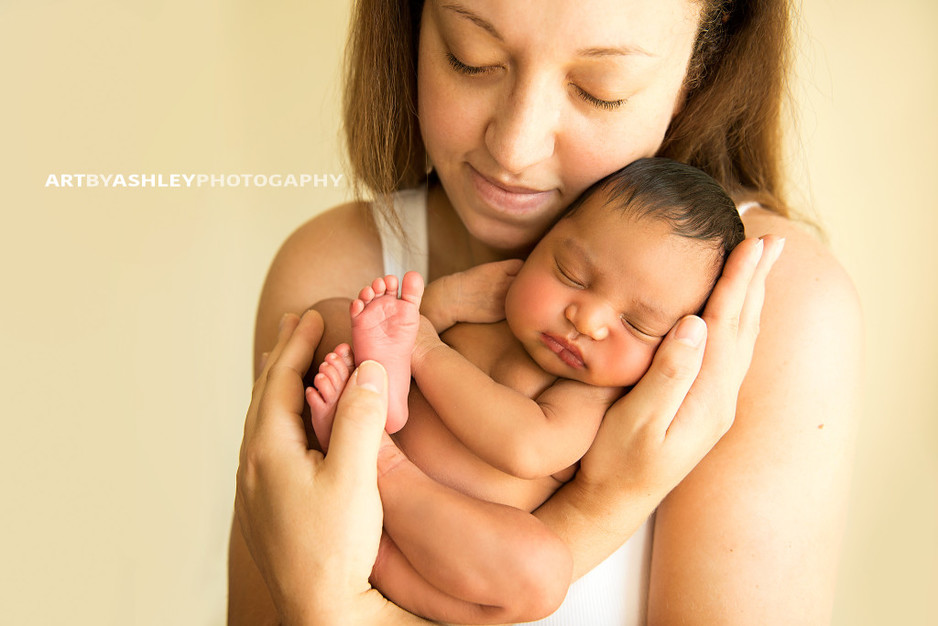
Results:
[359, 421]
[658, 396]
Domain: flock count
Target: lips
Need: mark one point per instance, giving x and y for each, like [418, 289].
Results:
[565, 351]
[508, 198]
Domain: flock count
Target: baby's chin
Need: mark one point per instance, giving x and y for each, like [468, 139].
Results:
[585, 375]
[598, 379]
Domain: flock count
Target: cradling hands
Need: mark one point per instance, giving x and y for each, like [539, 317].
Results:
[655, 435]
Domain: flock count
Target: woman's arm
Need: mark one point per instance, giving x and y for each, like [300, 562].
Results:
[524, 437]
[752, 535]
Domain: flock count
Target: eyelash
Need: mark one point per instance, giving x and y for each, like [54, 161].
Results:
[472, 70]
[635, 329]
[568, 278]
[462, 68]
[606, 105]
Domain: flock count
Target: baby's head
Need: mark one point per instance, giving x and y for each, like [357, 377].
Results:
[634, 254]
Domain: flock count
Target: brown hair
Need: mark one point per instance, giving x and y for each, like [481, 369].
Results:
[731, 122]
[730, 125]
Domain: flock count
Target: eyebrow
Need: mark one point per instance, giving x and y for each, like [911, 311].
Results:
[598, 52]
[475, 19]
[629, 50]
[574, 246]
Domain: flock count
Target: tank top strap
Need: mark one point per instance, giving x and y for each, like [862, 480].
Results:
[410, 252]
[742, 207]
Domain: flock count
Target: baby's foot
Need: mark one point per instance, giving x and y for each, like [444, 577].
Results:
[384, 328]
[328, 385]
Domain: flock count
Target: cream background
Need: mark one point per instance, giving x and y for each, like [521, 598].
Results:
[128, 316]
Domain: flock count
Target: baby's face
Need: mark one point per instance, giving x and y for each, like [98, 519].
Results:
[599, 292]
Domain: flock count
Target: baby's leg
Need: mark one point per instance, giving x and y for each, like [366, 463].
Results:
[398, 581]
[327, 386]
[384, 329]
[487, 561]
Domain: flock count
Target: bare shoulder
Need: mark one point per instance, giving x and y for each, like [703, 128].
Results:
[808, 279]
[803, 385]
[811, 327]
[334, 254]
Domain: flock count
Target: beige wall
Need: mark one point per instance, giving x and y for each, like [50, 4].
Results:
[127, 330]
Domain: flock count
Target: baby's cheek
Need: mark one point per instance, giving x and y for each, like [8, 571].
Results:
[635, 362]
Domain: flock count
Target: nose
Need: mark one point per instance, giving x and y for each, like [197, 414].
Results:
[521, 132]
[589, 319]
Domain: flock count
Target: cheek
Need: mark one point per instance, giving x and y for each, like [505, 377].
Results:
[442, 101]
[628, 360]
[530, 301]
[623, 137]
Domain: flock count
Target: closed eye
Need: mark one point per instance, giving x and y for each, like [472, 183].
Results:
[606, 105]
[567, 277]
[638, 332]
[462, 68]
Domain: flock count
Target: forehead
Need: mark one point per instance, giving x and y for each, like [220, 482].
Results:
[653, 28]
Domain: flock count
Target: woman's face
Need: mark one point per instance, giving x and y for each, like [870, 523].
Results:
[524, 104]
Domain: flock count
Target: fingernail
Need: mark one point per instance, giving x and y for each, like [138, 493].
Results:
[691, 331]
[779, 248]
[760, 246]
[282, 320]
[371, 375]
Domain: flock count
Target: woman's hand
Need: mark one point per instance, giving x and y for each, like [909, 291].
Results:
[312, 523]
[655, 435]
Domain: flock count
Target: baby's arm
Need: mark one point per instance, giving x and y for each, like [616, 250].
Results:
[520, 436]
[476, 295]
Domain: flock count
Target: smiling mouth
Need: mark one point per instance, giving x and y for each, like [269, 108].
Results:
[565, 351]
[509, 199]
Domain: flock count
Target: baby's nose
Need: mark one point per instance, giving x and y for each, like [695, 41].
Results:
[589, 321]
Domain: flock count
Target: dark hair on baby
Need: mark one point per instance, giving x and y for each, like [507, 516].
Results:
[692, 203]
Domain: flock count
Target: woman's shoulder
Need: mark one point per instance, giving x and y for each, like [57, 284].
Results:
[811, 330]
[334, 254]
[325, 254]
[808, 280]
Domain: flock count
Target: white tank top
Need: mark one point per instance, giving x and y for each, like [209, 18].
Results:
[615, 592]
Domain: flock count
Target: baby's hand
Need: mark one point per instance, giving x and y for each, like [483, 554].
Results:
[476, 295]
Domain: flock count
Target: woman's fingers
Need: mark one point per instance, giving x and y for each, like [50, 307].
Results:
[755, 296]
[725, 304]
[359, 422]
[284, 389]
[732, 314]
[638, 422]
[661, 391]
[287, 323]
[286, 364]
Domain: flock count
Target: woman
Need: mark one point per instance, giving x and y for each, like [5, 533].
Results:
[518, 107]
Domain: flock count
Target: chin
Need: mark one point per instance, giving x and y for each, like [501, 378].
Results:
[511, 239]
